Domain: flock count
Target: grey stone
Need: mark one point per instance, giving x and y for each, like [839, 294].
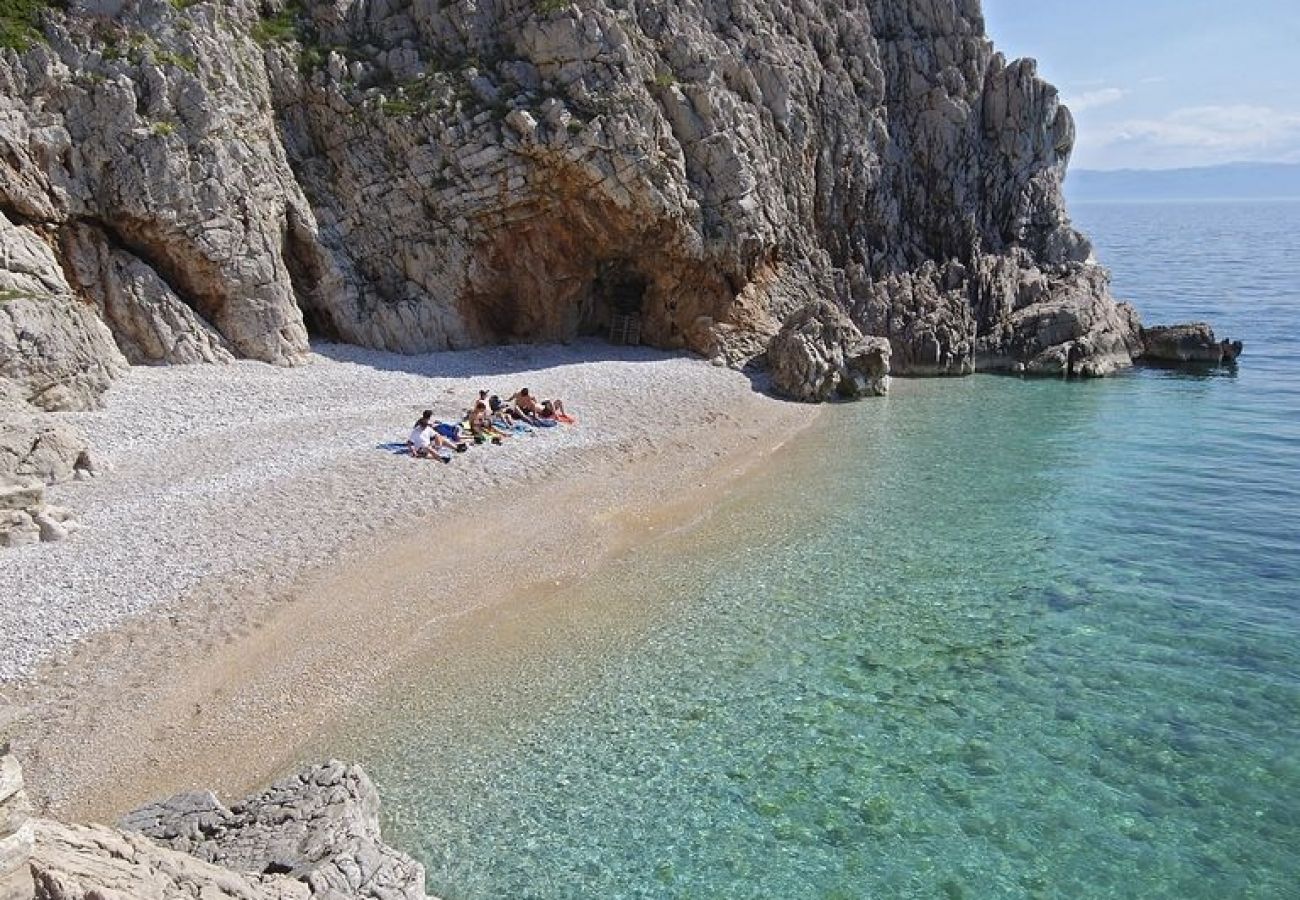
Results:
[454, 174]
[819, 354]
[21, 493]
[1192, 342]
[320, 827]
[51, 530]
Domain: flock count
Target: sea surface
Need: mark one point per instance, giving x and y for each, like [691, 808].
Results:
[986, 637]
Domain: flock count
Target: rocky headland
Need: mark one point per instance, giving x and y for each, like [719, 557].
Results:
[191, 182]
[825, 189]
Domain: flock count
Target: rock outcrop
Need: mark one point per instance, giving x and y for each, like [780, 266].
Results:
[55, 352]
[312, 836]
[1192, 343]
[91, 862]
[220, 179]
[320, 827]
[819, 354]
[42, 448]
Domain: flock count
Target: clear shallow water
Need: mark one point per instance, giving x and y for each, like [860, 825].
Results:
[985, 638]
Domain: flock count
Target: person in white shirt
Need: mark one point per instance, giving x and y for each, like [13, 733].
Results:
[425, 442]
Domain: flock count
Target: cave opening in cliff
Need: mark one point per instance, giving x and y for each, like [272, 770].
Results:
[304, 267]
[614, 305]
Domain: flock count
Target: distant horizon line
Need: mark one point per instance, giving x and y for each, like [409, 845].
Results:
[1240, 164]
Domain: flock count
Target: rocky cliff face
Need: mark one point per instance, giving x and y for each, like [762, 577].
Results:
[204, 179]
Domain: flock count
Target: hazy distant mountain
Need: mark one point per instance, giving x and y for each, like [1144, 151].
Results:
[1235, 181]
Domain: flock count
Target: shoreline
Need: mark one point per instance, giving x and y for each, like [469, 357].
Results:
[226, 687]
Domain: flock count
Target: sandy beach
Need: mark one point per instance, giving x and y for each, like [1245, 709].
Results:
[253, 565]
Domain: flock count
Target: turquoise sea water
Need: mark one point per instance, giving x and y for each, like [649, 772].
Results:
[984, 638]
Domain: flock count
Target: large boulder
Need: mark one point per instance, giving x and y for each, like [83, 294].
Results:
[92, 862]
[41, 447]
[819, 354]
[1192, 342]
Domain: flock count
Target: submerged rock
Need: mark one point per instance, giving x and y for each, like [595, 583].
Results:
[1192, 342]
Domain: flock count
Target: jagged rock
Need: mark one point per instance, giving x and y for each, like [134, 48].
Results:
[820, 354]
[21, 501]
[500, 171]
[51, 530]
[1188, 343]
[320, 827]
[312, 836]
[503, 171]
[37, 446]
[21, 494]
[55, 353]
[79, 862]
[18, 528]
[150, 323]
[155, 129]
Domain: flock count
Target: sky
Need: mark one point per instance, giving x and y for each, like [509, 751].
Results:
[1159, 84]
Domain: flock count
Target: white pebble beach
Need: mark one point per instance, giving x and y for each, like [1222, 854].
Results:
[246, 476]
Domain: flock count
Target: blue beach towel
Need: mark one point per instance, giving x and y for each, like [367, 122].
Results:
[400, 448]
[515, 428]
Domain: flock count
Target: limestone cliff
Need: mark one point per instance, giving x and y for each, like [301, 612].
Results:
[218, 179]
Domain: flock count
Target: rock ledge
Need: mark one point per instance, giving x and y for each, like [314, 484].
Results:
[314, 835]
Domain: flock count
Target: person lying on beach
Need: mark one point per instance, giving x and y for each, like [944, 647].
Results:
[425, 442]
[506, 415]
[544, 412]
[480, 424]
[528, 404]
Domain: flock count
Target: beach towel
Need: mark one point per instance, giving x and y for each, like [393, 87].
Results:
[401, 448]
[449, 431]
[566, 418]
[513, 428]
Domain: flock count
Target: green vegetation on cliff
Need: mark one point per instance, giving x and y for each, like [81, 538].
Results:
[20, 22]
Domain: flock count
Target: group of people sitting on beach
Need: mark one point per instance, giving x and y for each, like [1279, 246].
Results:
[488, 420]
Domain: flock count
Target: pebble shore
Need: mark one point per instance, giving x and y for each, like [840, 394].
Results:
[223, 471]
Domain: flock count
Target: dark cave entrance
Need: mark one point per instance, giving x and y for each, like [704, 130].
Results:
[302, 260]
[615, 303]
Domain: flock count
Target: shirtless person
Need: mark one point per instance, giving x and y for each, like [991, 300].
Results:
[480, 424]
[528, 405]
